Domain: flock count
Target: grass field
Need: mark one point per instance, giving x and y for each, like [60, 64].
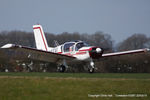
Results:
[74, 86]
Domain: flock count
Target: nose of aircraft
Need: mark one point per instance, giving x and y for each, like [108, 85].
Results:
[96, 52]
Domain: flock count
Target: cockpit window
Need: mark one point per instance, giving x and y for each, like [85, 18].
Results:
[80, 45]
[67, 46]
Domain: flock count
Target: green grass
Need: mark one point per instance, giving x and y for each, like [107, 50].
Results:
[82, 75]
[72, 86]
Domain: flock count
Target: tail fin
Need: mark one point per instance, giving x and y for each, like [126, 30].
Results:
[40, 39]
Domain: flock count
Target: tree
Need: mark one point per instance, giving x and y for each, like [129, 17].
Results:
[136, 41]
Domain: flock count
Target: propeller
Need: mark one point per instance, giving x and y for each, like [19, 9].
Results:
[96, 52]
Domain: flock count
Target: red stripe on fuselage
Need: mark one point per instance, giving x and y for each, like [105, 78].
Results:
[68, 54]
[78, 53]
[59, 52]
[42, 36]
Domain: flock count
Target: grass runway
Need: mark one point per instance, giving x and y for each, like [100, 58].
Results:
[74, 86]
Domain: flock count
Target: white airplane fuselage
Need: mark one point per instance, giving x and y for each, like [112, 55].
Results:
[78, 49]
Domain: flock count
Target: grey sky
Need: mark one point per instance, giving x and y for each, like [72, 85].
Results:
[119, 18]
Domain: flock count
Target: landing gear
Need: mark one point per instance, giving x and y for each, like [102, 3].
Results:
[61, 68]
[91, 67]
[91, 70]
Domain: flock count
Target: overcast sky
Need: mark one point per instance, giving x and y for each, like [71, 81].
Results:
[119, 18]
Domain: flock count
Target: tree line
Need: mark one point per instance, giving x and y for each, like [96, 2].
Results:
[127, 63]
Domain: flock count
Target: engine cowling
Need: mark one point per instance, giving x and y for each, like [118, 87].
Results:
[96, 52]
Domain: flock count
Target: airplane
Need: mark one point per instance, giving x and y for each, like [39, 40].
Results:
[67, 53]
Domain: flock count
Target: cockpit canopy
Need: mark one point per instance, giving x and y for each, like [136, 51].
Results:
[74, 46]
[67, 46]
[80, 45]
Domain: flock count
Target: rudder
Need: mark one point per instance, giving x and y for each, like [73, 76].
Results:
[40, 39]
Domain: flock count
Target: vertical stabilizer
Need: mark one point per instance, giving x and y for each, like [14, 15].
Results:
[40, 39]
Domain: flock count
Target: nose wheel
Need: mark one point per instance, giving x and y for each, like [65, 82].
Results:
[91, 70]
[91, 67]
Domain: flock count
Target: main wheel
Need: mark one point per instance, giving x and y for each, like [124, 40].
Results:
[91, 70]
[61, 68]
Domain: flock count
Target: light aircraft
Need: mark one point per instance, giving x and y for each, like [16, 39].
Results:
[65, 54]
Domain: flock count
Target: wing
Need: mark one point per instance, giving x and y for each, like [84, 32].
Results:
[35, 54]
[125, 52]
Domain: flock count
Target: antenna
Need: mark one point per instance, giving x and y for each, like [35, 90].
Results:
[56, 43]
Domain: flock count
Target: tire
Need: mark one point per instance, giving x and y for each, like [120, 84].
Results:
[61, 68]
[91, 70]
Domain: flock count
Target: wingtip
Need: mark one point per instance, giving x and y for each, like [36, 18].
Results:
[148, 49]
[8, 46]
